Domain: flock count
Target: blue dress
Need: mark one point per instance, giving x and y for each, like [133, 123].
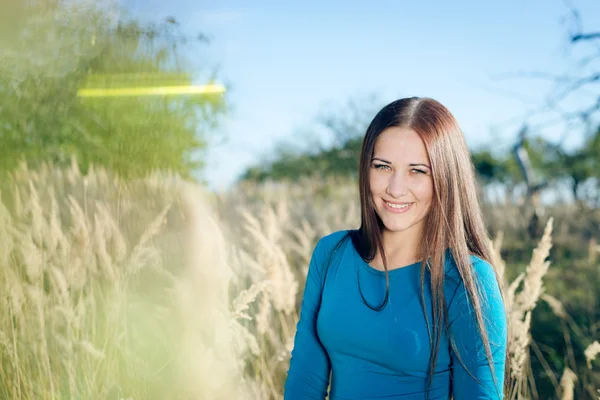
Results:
[385, 354]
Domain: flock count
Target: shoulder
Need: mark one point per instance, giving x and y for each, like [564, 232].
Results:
[481, 269]
[328, 242]
[483, 273]
[460, 304]
[334, 237]
[325, 247]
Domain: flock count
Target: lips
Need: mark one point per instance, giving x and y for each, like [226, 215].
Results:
[397, 208]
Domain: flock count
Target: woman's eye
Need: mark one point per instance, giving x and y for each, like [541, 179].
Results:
[419, 171]
[380, 166]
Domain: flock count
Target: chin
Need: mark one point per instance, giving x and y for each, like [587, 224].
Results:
[396, 227]
[399, 224]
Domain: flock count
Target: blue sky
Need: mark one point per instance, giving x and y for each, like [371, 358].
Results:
[287, 62]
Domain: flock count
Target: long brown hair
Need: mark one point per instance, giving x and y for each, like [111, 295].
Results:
[454, 220]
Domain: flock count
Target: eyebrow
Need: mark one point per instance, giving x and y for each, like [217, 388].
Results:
[411, 165]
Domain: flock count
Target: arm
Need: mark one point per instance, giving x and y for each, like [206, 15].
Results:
[308, 375]
[468, 344]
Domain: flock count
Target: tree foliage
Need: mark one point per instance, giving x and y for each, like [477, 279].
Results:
[52, 49]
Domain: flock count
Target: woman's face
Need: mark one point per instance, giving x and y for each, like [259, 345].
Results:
[400, 180]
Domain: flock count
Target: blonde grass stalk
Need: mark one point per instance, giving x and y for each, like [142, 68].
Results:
[266, 238]
[80, 235]
[32, 258]
[263, 317]
[37, 221]
[142, 254]
[556, 306]
[114, 238]
[17, 202]
[6, 238]
[521, 305]
[242, 302]
[306, 237]
[567, 384]
[591, 352]
[103, 257]
[56, 241]
[527, 298]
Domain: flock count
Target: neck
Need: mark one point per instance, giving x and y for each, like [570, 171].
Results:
[403, 247]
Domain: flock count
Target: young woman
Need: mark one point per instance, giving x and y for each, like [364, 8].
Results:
[409, 306]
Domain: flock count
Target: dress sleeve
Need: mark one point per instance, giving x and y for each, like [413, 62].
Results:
[308, 374]
[468, 350]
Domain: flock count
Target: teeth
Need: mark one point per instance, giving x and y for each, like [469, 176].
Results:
[397, 205]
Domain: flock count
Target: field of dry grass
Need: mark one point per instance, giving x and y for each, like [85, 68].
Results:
[158, 289]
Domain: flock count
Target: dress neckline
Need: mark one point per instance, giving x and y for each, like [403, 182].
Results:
[393, 273]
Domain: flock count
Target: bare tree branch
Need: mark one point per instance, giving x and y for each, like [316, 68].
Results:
[574, 86]
[585, 61]
[585, 36]
[575, 16]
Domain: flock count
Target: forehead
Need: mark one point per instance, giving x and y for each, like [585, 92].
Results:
[400, 144]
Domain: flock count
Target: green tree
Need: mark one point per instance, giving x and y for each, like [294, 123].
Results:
[55, 48]
[337, 161]
[490, 168]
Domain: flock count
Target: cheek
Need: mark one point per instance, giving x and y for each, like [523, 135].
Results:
[424, 191]
[376, 184]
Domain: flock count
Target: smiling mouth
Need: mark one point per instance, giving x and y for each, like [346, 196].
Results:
[398, 206]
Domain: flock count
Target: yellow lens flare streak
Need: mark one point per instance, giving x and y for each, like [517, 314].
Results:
[152, 91]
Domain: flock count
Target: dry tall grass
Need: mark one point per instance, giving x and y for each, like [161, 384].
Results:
[156, 289]
[114, 290]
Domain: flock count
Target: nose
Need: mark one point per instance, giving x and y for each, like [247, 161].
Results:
[397, 186]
